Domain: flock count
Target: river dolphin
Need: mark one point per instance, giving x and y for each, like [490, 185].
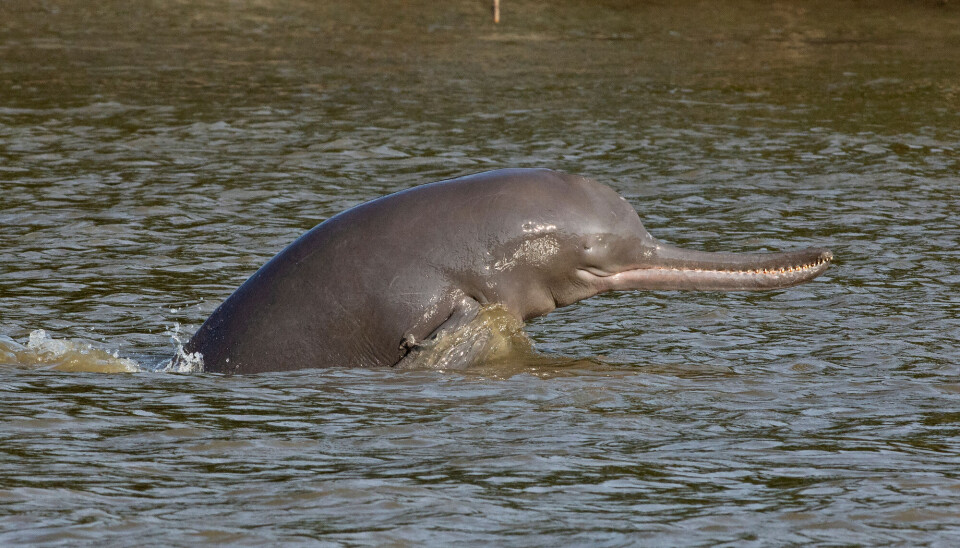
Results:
[369, 285]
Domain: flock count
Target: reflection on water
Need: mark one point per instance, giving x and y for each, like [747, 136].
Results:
[152, 159]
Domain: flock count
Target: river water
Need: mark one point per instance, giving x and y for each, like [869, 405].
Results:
[153, 156]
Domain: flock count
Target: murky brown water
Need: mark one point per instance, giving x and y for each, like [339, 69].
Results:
[152, 157]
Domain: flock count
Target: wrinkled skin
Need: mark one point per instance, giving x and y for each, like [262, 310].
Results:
[364, 287]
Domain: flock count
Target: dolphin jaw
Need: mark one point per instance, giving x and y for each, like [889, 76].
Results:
[704, 278]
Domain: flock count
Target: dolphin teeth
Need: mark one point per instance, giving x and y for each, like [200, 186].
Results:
[755, 272]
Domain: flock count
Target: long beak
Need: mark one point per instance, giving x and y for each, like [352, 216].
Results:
[674, 268]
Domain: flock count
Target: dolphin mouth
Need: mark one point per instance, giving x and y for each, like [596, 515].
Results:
[673, 268]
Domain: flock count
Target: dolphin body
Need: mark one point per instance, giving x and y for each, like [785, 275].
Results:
[368, 286]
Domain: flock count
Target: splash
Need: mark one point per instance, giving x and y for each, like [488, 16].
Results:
[47, 353]
[182, 361]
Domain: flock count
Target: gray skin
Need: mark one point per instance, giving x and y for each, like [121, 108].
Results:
[366, 286]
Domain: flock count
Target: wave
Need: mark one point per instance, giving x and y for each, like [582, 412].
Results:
[43, 352]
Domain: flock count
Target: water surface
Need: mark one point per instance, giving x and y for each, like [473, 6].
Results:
[152, 158]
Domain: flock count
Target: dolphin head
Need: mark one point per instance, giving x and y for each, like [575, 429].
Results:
[600, 244]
